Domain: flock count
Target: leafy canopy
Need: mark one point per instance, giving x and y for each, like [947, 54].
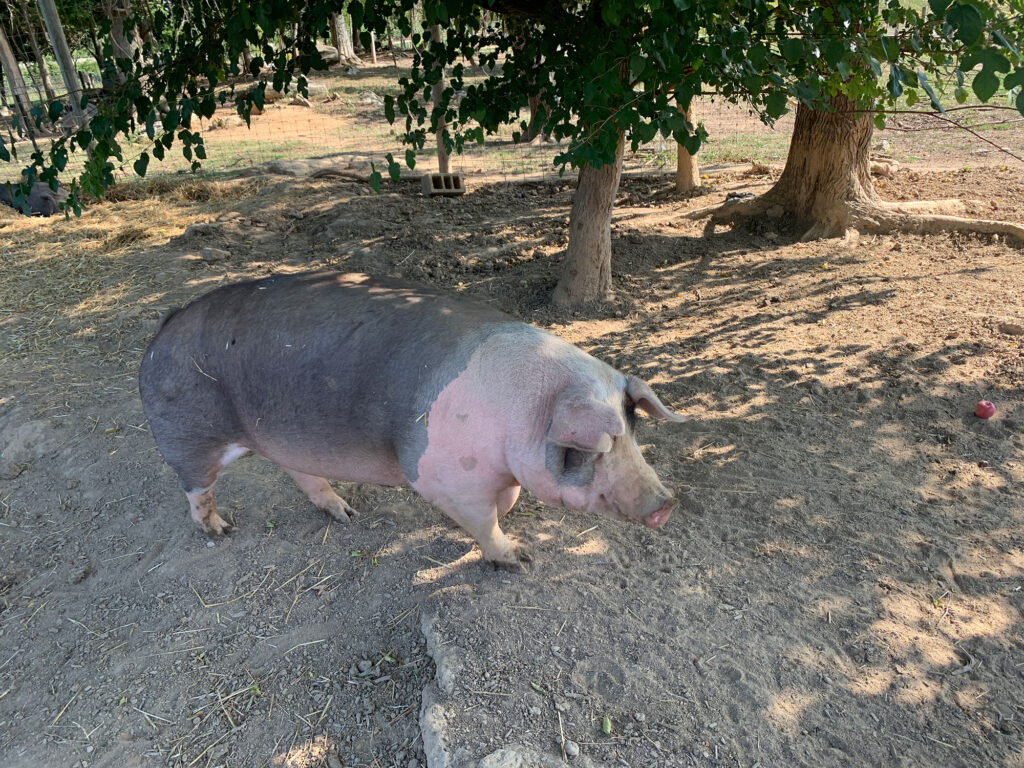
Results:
[602, 69]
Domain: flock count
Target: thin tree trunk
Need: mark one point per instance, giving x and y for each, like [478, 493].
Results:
[37, 54]
[373, 48]
[22, 102]
[687, 170]
[124, 41]
[55, 31]
[587, 266]
[435, 92]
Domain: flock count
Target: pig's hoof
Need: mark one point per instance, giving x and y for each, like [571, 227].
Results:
[339, 509]
[217, 525]
[515, 562]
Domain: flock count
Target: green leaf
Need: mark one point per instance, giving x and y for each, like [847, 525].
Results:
[792, 49]
[775, 104]
[938, 6]
[394, 169]
[879, 121]
[5, 153]
[985, 84]
[895, 82]
[967, 22]
[1014, 79]
[141, 164]
[389, 108]
[55, 111]
[923, 82]
[410, 158]
[960, 95]
[637, 65]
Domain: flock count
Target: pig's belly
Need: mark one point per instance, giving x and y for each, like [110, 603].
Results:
[349, 464]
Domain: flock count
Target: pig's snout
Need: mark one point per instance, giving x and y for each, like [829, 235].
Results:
[659, 517]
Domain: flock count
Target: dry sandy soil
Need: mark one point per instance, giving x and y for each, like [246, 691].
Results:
[842, 585]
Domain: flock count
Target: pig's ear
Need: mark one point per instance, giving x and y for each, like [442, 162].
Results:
[648, 402]
[583, 422]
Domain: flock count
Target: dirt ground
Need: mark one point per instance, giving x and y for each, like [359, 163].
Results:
[842, 585]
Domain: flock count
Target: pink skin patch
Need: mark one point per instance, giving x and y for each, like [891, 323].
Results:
[659, 518]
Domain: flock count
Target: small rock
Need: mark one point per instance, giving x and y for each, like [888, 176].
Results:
[212, 255]
[364, 665]
[572, 749]
[1011, 329]
[639, 716]
[332, 760]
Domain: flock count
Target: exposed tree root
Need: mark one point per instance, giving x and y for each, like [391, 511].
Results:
[866, 217]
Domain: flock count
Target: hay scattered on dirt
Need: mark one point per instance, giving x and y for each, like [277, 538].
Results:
[184, 189]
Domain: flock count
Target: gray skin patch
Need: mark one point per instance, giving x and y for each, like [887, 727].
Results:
[570, 466]
[336, 371]
[41, 199]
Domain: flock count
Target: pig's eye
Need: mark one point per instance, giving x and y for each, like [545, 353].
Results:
[576, 459]
[573, 459]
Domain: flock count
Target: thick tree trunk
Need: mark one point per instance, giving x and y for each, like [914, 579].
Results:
[587, 266]
[687, 170]
[827, 169]
[343, 40]
[826, 186]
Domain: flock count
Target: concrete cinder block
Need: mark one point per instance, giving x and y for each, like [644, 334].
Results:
[448, 184]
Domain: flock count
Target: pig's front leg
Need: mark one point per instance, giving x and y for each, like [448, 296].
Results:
[481, 522]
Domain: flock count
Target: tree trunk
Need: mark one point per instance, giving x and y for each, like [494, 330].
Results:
[55, 31]
[37, 54]
[435, 93]
[826, 186]
[827, 168]
[687, 170]
[340, 33]
[22, 102]
[124, 41]
[587, 266]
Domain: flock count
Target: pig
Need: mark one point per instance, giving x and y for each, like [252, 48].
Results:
[347, 377]
[41, 200]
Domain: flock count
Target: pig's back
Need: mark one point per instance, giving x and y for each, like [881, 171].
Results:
[324, 373]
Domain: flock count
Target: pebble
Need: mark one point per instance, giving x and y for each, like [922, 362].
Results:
[639, 716]
[572, 749]
[364, 665]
